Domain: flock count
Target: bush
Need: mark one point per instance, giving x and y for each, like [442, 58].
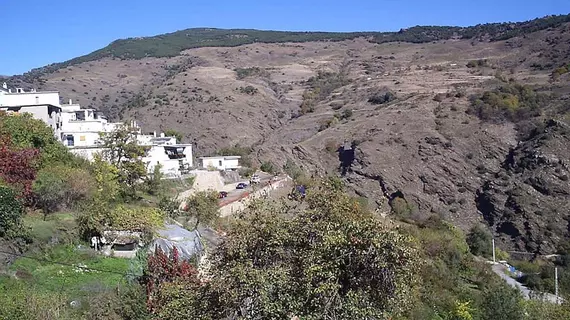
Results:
[511, 102]
[203, 207]
[502, 302]
[477, 63]
[11, 212]
[320, 87]
[251, 90]
[243, 73]
[268, 167]
[479, 240]
[174, 133]
[382, 97]
[98, 217]
[61, 187]
[326, 123]
[347, 113]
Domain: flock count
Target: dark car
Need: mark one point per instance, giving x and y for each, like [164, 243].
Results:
[241, 185]
[223, 194]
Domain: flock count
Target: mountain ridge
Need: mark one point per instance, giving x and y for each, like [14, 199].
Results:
[171, 44]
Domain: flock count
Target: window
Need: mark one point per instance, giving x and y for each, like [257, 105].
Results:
[81, 138]
[37, 100]
[70, 141]
[220, 163]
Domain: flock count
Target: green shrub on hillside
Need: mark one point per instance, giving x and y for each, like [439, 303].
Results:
[513, 102]
[58, 187]
[243, 73]
[480, 241]
[320, 87]
[382, 97]
[11, 212]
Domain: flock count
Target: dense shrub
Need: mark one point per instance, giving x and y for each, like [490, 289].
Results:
[18, 166]
[243, 73]
[11, 212]
[320, 87]
[61, 187]
[479, 240]
[267, 166]
[513, 102]
[382, 97]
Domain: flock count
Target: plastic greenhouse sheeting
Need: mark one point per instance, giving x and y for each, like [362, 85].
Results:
[188, 243]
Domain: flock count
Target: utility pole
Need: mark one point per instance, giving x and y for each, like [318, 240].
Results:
[556, 283]
[494, 251]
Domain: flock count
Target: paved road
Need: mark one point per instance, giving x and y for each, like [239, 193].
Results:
[500, 269]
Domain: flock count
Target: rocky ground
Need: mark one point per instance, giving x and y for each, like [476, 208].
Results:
[415, 155]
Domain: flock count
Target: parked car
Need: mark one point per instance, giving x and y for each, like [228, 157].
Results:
[241, 185]
[223, 194]
[255, 179]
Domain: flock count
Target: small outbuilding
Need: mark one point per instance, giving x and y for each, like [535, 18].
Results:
[222, 163]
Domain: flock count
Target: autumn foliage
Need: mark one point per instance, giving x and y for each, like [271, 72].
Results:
[17, 166]
[163, 269]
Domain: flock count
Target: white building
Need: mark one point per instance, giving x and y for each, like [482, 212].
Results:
[19, 97]
[41, 105]
[175, 159]
[81, 129]
[220, 162]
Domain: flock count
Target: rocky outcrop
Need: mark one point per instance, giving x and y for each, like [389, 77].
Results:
[527, 202]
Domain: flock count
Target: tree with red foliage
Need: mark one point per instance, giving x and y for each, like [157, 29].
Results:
[164, 269]
[17, 166]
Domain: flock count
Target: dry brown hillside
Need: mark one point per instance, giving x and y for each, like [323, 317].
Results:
[418, 153]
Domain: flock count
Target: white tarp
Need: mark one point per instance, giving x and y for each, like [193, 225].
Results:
[188, 243]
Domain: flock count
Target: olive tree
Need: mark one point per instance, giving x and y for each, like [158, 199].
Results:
[329, 260]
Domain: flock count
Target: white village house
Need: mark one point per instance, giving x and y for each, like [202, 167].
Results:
[79, 129]
[223, 163]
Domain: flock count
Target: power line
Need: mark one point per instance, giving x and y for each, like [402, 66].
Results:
[64, 264]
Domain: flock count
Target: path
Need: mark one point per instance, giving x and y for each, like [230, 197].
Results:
[500, 269]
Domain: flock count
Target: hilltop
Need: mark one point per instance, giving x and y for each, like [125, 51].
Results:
[432, 113]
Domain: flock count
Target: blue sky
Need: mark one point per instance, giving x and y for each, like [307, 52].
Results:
[40, 32]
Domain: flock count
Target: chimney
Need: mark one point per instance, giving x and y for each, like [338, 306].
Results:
[154, 134]
[9, 90]
[162, 134]
[70, 102]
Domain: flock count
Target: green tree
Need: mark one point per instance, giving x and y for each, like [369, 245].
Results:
[26, 132]
[174, 133]
[106, 180]
[154, 181]
[11, 212]
[502, 302]
[60, 186]
[329, 260]
[203, 207]
[50, 189]
[267, 166]
[480, 240]
[123, 151]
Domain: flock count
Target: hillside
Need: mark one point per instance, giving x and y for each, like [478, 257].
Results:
[427, 138]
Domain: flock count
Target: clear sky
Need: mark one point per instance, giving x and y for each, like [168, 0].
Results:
[40, 32]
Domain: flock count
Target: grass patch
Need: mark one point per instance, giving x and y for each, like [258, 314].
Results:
[70, 270]
[60, 225]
